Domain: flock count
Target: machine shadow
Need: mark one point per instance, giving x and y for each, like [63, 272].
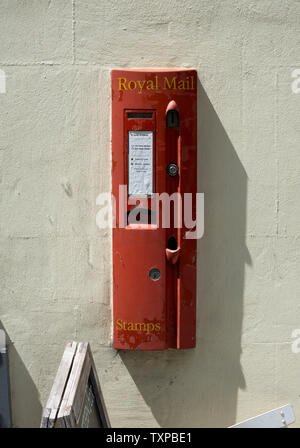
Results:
[199, 387]
[26, 408]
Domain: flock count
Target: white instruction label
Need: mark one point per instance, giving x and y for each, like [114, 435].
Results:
[140, 163]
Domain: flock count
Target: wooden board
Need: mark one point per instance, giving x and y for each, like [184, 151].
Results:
[59, 385]
[76, 399]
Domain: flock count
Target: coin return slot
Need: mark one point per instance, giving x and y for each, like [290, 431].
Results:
[172, 243]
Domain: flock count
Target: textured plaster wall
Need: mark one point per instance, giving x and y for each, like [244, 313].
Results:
[55, 272]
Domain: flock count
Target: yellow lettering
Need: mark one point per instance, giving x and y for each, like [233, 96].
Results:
[132, 83]
[137, 326]
[122, 82]
[181, 85]
[167, 85]
[150, 85]
[141, 85]
[119, 323]
[148, 327]
[192, 87]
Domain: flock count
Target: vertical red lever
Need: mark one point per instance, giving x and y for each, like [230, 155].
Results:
[179, 243]
[174, 186]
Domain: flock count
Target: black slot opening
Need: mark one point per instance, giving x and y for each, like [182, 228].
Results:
[140, 115]
[172, 119]
[172, 243]
[140, 216]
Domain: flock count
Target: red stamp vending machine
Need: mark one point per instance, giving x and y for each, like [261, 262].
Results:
[154, 166]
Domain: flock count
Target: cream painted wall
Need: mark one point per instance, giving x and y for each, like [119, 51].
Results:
[55, 273]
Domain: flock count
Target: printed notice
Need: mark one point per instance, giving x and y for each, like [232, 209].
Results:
[140, 163]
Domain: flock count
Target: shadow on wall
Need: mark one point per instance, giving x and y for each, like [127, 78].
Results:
[198, 388]
[26, 407]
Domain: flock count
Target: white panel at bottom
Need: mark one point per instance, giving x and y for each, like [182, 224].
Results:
[276, 418]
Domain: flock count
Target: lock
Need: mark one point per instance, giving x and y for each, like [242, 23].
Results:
[172, 169]
[154, 274]
[154, 139]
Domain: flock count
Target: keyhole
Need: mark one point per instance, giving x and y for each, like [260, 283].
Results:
[172, 119]
[154, 274]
